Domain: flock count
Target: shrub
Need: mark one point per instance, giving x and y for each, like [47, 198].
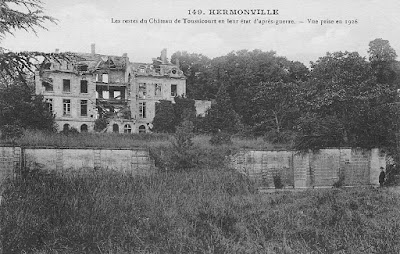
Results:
[70, 131]
[221, 138]
[11, 131]
[279, 137]
[392, 175]
[183, 153]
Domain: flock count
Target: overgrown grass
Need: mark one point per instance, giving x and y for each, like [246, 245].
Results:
[199, 211]
[112, 140]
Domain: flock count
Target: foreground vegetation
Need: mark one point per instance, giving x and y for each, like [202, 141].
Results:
[113, 140]
[209, 210]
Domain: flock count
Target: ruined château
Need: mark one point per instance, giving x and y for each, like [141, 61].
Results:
[109, 87]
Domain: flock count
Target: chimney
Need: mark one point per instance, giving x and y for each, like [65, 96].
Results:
[177, 62]
[57, 51]
[126, 59]
[164, 56]
[93, 48]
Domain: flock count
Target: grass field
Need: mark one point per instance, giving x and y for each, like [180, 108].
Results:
[199, 211]
[199, 207]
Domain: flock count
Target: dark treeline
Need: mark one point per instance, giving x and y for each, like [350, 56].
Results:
[343, 99]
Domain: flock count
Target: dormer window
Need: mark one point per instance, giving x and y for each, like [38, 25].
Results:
[82, 67]
[142, 69]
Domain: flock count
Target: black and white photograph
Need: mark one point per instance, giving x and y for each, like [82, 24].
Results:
[218, 126]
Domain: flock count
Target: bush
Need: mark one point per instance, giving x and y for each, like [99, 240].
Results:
[70, 131]
[221, 138]
[180, 154]
[183, 154]
[392, 176]
[10, 131]
[279, 137]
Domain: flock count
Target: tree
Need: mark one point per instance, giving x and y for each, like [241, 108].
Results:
[196, 69]
[164, 119]
[276, 106]
[18, 107]
[344, 105]
[28, 16]
[243, 71]
[184, 108]
[383, 61]
[380, 50]
[221, 116]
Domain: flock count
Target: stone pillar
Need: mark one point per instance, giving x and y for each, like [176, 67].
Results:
[377, 161]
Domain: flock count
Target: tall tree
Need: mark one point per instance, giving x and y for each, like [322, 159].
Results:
[195, 67]
[276, 106]
[344, 105]
[18, 107]
[164, 119]
[20, 110]
[244, 71]
[380, 50]
[221, 116]
[21, 14]
[383, 61]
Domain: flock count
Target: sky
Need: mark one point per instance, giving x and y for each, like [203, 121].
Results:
[81, 23]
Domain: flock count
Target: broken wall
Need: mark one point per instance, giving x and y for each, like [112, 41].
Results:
[151, 97]
[202, 107]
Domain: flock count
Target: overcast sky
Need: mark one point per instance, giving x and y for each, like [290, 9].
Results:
[81, 23]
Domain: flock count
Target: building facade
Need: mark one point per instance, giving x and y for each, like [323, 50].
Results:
[95, 86]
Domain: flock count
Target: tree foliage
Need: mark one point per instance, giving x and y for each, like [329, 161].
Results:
[164, 119]
[276, 107]
[383, 61]
[196, 69]
[241, 72]
[380, 50]
[21, 14]
[184, 108]
[20, 109]
[343, 105]
[221, 116]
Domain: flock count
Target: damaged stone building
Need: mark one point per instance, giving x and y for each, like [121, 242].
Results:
[95, 86]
